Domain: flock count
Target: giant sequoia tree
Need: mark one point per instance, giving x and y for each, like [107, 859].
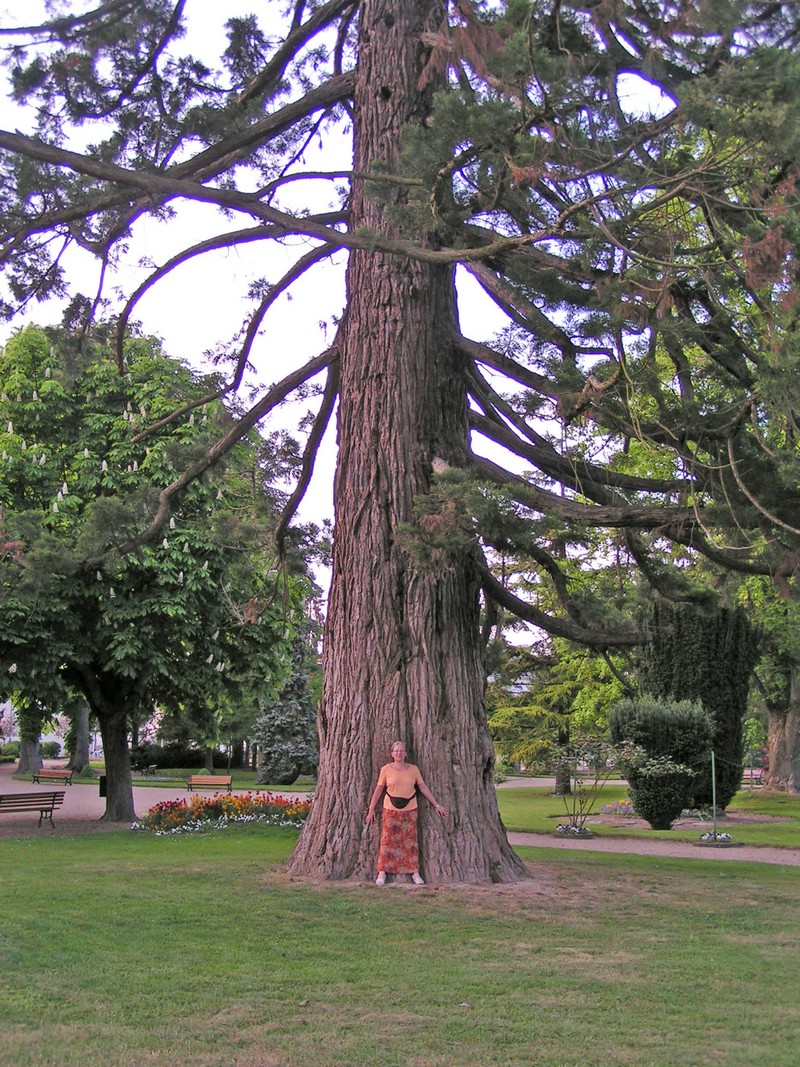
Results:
[640, 259]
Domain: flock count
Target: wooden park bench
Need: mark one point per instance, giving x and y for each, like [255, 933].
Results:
[752, 776]
[44, 803]
[210, 781]
[54, 774]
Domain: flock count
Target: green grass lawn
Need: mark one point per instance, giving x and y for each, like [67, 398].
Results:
[123, 949]
[535, 810]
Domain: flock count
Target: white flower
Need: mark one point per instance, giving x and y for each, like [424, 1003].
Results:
[42, 460]
[64, 488]
[35, 395]
[55, 506]
[10, 427]
[111, 593]
[104, 466]
[220, 666]
[165, 543]
[12, 669]
[210, 657]
[86, 453]
[205, 565]
[172, 523]
[99, 576]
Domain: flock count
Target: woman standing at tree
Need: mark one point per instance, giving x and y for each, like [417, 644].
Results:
[399, 852]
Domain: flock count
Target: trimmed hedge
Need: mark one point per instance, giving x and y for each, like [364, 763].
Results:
[663, 748]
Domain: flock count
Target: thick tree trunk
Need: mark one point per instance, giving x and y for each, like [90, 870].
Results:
[403, 656]
[784, 741]
[80, 718]
[29, 761]
[117, 758]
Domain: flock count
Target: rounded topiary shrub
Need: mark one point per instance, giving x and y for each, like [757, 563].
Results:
[662, 746]
[659, 789]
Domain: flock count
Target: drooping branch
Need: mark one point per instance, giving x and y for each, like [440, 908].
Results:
[552, 625]
[520, 310]
[165, 186]
[212, 244]
[220, 448]
[616, 516]
[587, 479]
[310, 451]
[269, 76]
[56, 28]
[299, 268]
[482, 353]
[752, 498]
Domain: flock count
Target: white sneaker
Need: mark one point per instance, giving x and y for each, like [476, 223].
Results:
[415, 878]
[381, 879]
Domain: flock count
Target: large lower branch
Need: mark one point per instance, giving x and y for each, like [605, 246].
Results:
[219, 449]
[552, 625]
[310, 452]
[614, 516]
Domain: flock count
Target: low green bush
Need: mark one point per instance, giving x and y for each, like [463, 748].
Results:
[659, 788]
[663, 746]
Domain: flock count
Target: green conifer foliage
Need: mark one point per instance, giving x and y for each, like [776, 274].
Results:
[707, 656]
[286, 730]
[662, 747]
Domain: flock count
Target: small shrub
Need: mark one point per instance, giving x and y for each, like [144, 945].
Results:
[662, 745]
[658, 790]
[500, 773]
[587, 766]
[50, 750]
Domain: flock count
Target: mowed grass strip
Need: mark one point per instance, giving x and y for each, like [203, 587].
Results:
[127, 949]
[535, 810]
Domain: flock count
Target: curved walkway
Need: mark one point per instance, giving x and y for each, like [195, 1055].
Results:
[83, 808]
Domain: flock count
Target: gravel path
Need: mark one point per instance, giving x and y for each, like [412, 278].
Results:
[83, 808]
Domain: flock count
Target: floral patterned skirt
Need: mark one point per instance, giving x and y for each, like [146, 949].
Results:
[398, 852]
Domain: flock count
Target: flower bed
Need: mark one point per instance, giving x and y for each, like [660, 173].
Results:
[223, 810]
[622, 809]
[566, 829]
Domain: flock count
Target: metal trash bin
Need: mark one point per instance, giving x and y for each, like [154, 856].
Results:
[103, 791]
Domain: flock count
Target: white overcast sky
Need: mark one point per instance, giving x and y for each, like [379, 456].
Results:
[202, 302]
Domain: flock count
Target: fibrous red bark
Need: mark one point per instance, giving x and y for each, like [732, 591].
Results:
[403, 655]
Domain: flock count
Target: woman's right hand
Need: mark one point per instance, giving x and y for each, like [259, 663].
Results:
[370, 817]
